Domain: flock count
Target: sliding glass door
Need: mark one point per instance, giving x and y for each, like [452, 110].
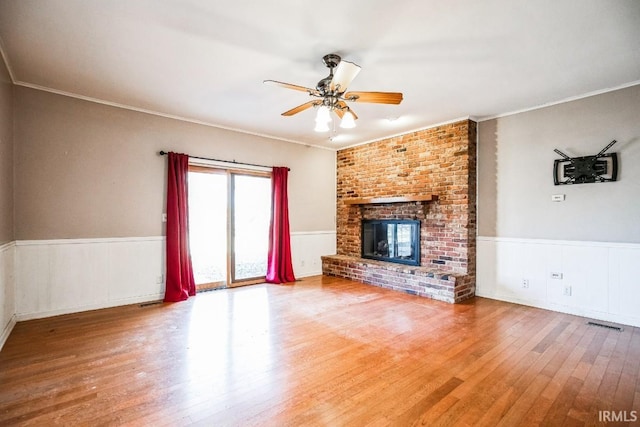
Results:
[229, 213]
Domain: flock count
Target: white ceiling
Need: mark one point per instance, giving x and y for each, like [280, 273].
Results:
[205, 61]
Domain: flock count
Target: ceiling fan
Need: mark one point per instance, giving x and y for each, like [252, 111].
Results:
[331, 93]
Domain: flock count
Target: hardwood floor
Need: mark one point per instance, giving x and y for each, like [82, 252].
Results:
[325, 352]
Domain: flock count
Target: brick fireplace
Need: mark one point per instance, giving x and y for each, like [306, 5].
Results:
[430, 176]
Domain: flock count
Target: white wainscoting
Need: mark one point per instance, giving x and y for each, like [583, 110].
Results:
[307, 248]
[71, 275]
[55, 277]
[7, 291]
[598, 280]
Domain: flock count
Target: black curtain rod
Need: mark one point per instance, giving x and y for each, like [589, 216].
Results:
[163, 153]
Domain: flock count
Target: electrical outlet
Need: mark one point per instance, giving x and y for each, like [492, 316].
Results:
[567, 291]
[164, 217]
[525, 283]
[160, 279]
[302, 263]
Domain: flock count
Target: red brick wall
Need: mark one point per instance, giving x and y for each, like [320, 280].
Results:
[439, 161]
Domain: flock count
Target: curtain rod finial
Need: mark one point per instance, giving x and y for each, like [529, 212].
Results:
[162, 153]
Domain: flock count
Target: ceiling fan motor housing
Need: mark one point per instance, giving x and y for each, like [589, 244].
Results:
[324, 85]
[331, 60]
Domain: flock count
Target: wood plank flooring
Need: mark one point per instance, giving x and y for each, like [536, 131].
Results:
[322, 352]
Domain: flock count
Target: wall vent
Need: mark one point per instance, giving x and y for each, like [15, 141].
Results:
[602, 325]
[147, 304]
[203, 290]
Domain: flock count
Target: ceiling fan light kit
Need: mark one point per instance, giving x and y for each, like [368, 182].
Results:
[323, 114]
[323, 118]
[332, 96]
[348, 120]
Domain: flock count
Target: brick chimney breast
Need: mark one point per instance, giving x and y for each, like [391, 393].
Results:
[439, 161]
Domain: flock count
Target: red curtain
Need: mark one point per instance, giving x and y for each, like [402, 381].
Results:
[180, 283]
[279, 268]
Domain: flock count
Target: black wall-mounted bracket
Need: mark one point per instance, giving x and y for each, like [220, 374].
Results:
[587, 169]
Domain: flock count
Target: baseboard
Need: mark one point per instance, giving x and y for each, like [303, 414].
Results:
[309, 274]
[7, 330]
[116, 303]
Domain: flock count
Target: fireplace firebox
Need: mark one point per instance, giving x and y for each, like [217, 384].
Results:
[393, 240]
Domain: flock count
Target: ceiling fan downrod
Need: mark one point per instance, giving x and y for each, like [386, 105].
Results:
[324, 86]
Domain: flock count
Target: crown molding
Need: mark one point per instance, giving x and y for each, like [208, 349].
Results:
[561, 101]
[159, 114]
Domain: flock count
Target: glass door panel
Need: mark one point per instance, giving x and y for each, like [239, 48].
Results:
[251, 201]
[208, 227]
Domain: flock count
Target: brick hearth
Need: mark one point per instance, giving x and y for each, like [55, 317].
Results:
[439, 161]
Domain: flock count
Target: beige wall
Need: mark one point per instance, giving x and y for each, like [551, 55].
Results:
[6, 155]
[88, 170]
[515, 163]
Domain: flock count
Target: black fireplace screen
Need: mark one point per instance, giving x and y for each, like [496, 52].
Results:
[395, 240]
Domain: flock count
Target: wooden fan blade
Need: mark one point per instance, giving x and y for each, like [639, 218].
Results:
[374, 97]
[344, 107]
[300, 108]
[294, 87]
